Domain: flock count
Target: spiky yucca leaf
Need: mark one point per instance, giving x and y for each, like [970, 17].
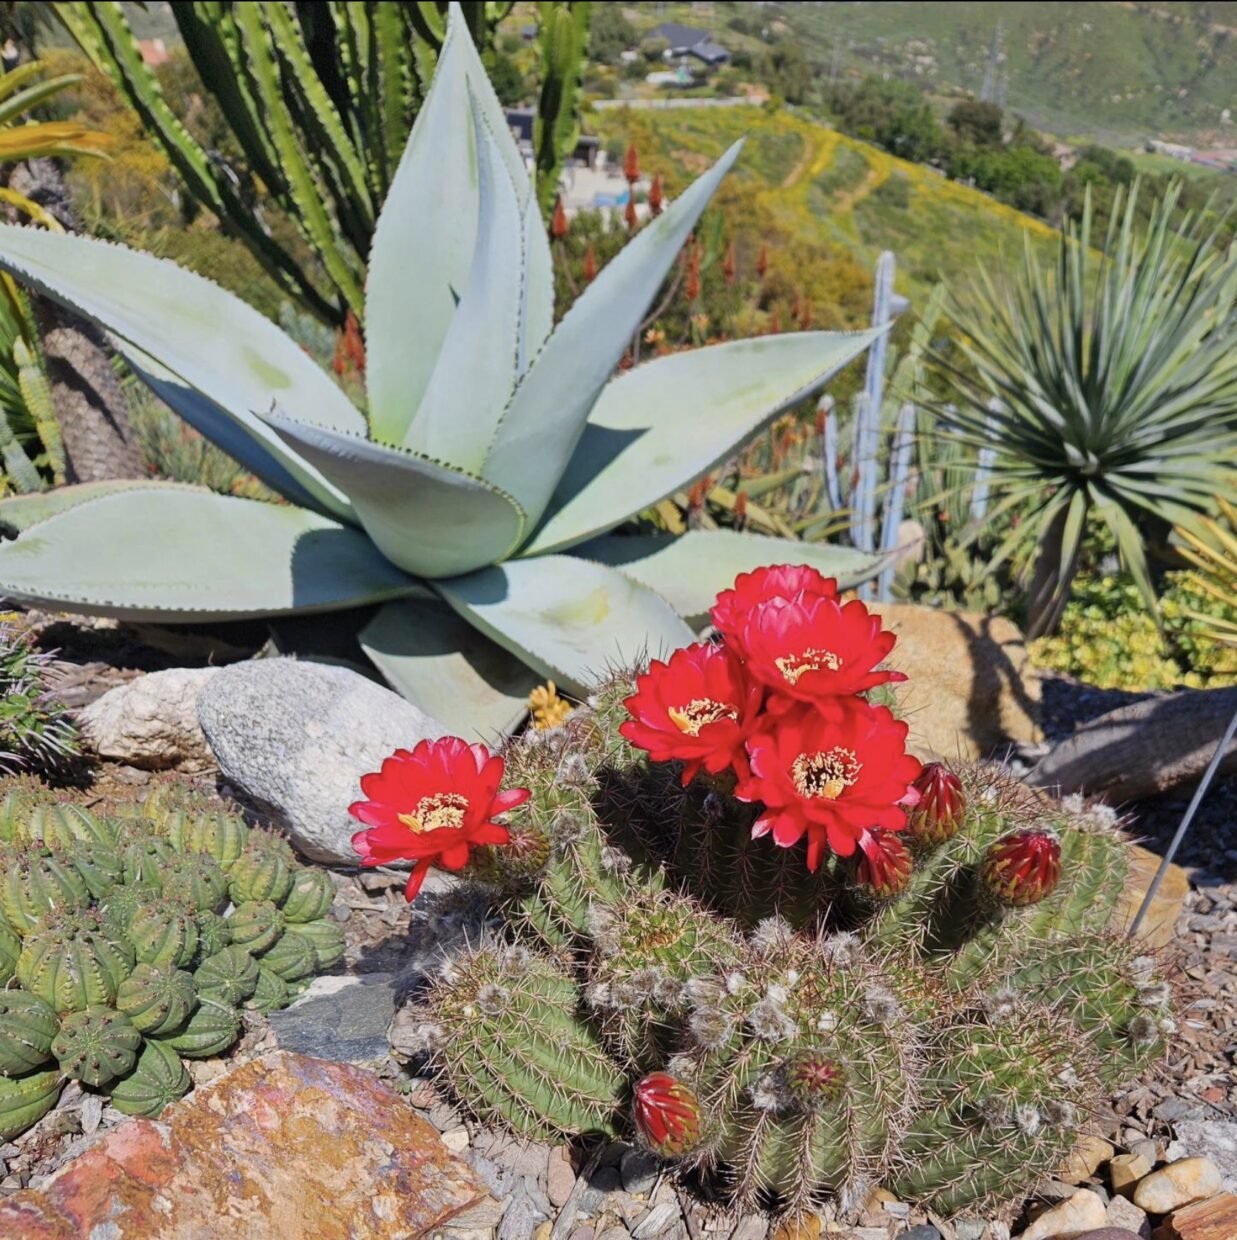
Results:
[1211, 545]
[1115, 386]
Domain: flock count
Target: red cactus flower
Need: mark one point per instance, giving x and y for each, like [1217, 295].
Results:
[762, 260]
[831, 771]
[630, 214]
[942, 803]
[590, 264]
[657, 196]
[631, 163]
[667, 1115]
[1022, 867]
[432, 805]
[697, 709]
[885, 865]
[813, 647]
[558, 221]
[778, 581]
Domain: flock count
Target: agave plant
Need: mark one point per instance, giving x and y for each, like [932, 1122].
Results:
[476, 498]
[1115, 386]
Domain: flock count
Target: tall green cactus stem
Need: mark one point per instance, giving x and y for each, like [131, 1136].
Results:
[505, 1025]
[556, 129]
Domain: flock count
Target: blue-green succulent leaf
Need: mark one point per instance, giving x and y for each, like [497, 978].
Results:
[161, 551]
[568, 619]
[537, 317]
[20, 512]
[689, 570]
[426, 517]
[244, 438]
[543, 423]
[434, 658]
[211, 339]
[423, 245]
[662, 425]
[476, 367]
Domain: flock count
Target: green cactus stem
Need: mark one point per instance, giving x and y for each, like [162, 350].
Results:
[27, 1027]
[24, 1100]
[96, 1045]
[158, 1078]
[156, 1000]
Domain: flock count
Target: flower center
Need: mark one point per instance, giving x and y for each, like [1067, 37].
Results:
[792, 666]
[826, 773]
[443, 810]
[699, 712]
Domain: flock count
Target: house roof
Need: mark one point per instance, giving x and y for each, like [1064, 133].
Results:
[682, 36]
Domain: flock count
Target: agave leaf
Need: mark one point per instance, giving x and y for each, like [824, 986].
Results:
[567, 618]
[244, 438]
[204, 557]
[424, 242]
[212, 340]
[688, 571]
[661, 426]
[475, 370]
[426, 517]
[473, 687]
[542, 426]
[19, 513]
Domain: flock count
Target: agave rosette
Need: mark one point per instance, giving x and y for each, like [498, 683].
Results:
[476, 498]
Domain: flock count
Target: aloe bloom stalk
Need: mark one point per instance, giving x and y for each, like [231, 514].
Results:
[475, 499]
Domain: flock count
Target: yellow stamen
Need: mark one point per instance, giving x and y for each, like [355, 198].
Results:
[826, 773]
[548, 709]
[434, 813]
[699, 712]
[792, 666]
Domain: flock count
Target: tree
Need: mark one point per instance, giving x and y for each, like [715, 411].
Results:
[976, 122]
[611, 34]
[508, 81]
[786, 72]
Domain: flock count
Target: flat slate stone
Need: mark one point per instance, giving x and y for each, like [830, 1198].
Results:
[284, 1146]
[341, 1018]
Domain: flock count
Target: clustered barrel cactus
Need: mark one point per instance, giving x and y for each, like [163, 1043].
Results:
[131, 942]
[934, 1012]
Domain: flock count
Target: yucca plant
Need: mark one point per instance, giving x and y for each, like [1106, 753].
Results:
[475, 499]
[1210, 544]
[1115, 386]
[321, 99]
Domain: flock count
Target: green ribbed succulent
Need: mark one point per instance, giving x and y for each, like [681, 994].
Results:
[798, 1035]
[125, 946]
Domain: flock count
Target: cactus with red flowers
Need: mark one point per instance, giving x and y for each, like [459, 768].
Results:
[759, 937]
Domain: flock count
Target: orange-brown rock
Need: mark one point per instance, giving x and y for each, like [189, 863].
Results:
[1160, 924]
[971, 684]
[1213, 1219]
[283, 1148]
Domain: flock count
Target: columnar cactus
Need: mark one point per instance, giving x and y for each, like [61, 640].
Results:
[131, 939]
[934, 1012]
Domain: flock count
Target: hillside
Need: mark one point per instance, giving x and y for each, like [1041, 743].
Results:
[1117, 72]
[807, 190]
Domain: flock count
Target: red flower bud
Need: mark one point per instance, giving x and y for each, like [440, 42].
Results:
[558, 222]
[884, 866]
[938, 813]
[657, 196]
[667, 1115]
[631, 163]
[590, 264]
[1022, 867]
[630, 214]
[814, 1078]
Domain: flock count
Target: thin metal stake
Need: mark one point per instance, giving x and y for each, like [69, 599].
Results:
[1196, 801]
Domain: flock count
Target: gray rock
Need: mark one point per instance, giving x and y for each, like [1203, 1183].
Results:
[1215, 1139]
[924, 1231]
[639, 1170]
[151, 722]
[521, 1218]
[296, 738]
[604, 1180]
[341, 1018]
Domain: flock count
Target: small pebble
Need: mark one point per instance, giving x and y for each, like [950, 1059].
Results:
[1084, 1211]
[560, 1177]
[969, 1228]
[923, 1231]
[1122, 1213]
[1178, 1184]
[639, 1170]
[805, 1227]
[1086, 1158]
[1148, 1149]
[456, 1140]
